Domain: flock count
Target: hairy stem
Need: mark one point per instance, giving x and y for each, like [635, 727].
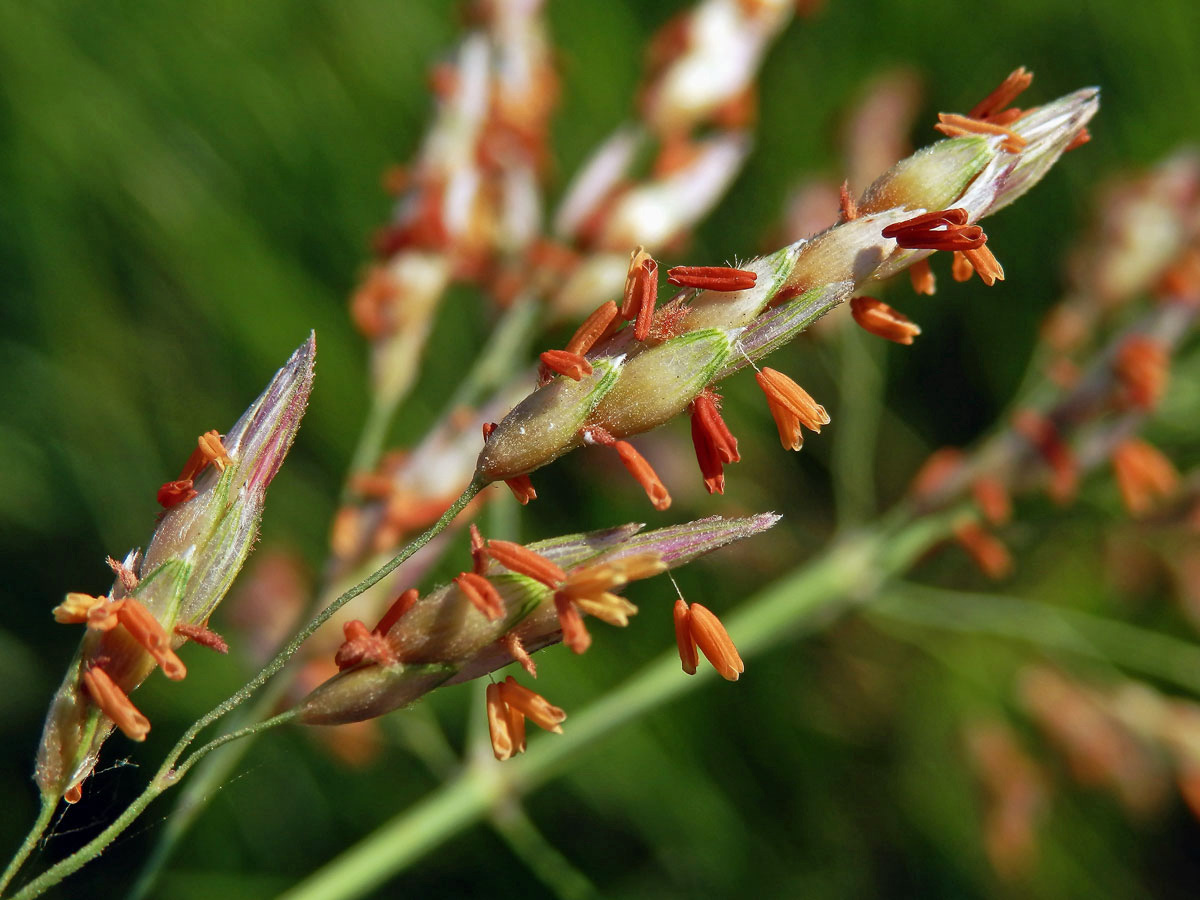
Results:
[49, 804]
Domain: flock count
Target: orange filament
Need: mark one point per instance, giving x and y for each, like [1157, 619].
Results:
[205, 637]
[954, 125]
[175, 492]
[985, 549]
[592, 329]
[396, 611]
[362, 646]
[564, 362]
[482, 594]
[536, 708]
[791, 406]
[883, 321]
[1143, 473]
[849, 209]
[991, 496]
[696, 626]
[1008, 90]
[940, 230]
[1055, 452]
[634, 280]
[641, 470]
[1142, 367]
[712, 278]
[648, 298]
[146, 630]
[683, 637]
[115, 704]
[516, 649]
[524, 561]
[574, 632]
[920, 274]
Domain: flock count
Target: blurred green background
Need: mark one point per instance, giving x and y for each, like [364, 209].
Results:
[187, 189]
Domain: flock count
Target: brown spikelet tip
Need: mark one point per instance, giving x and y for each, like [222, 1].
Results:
[205, 637]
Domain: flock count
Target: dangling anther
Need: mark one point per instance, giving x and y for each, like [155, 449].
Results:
[115, 704]
[921, 275]
[634, 283]
[791, 406]
[883, 321]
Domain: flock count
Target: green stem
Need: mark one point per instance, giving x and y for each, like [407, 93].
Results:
[49, 804]
[854, 440]
[1070, 630]
[847, 575]
[168, 775]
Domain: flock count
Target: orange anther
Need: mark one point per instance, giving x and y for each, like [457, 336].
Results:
[146, 630]
[712, 278]
[536, 708]
[791, 406]
[1143, 473]
[524, 561]
[1007, 91]
[574, 632]
[175, 492]
[396, 611]
[482, 594]
[883, 321]
[592, 329]
[115, 704]
[920, 274]
[637, 466]
[566, 363]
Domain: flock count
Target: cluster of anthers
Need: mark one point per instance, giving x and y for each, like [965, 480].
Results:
[634, 364]
[587, 589]
[130, 629]
[209, 451]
